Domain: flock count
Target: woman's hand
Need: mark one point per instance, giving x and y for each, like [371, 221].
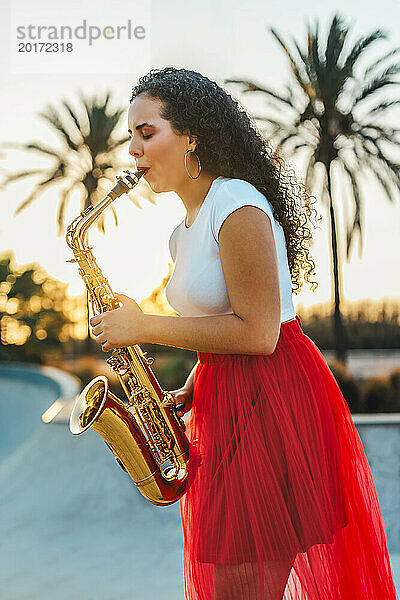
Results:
[183, 396]
[121, 327]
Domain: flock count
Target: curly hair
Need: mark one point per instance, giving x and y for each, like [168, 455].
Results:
[229, 145]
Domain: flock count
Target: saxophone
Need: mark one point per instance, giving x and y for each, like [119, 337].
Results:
[145, 434]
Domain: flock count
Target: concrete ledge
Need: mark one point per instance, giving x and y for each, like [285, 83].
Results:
[377, 418]
[66, 387]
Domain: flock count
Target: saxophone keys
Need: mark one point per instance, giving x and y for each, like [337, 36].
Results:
[168, 400]
[117, 364]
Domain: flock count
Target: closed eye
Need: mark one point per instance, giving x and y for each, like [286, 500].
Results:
[146, 137]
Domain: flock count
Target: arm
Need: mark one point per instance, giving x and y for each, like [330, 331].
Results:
[250, 268]
[189, 381]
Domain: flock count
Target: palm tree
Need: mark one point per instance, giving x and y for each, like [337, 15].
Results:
[86, 160]
[324, 120]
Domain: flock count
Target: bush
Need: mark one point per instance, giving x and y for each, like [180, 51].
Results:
[174, 372]
[376, 394]
[348, 385]
[394, 391]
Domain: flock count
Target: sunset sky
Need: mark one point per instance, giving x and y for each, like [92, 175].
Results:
[221, 39]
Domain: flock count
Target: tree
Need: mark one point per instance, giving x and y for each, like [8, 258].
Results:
[33, 315]
[157, 303]
[86, 160]
[324, 103]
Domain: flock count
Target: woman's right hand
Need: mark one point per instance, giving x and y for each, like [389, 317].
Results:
[183, 396]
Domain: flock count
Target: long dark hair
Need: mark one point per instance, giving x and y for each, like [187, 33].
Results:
[228, 144]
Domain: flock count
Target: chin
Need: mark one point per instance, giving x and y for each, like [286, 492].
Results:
[153, 187]
[156, 188]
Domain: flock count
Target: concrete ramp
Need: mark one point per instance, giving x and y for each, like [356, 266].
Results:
[72, 523]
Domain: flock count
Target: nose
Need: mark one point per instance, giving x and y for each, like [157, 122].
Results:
[135, 149]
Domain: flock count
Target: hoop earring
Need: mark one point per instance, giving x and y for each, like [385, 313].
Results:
[186, 167]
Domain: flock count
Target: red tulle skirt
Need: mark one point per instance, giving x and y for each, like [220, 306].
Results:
[280, 501]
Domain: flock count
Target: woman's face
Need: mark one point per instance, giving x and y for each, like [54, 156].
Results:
[155, 144]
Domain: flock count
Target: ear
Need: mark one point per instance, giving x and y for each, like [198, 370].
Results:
[193, 140]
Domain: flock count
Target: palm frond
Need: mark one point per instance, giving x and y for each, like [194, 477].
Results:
[377, 63]
[79, 127]
[249, 86]
[383, 106]
[100, 222]
[307, 114]
[359, 47]
[302, 81]
[57, 173]
[114, 212]
[336, 39]
[289, 136]
[101, 124]
[27, 201]
[315, 58]
[298, 146]
[51, 116]
[106, 100]
[356, 225]
[61, 210]
[381, 175]
[377, 83]
[277, 131]
[133, 198]
[304, 59]
[293, 97]
[310, 171]
[378, 156]
[43, 150]
[282, 141]
[113, 144]
[391, 70]
[311, 128]
[12, 177]
[380, 130]
[150, 197]
[103, 166]
[34, 146]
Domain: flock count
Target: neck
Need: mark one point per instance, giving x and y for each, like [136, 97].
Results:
[192, 193]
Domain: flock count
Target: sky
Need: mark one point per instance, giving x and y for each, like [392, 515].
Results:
[220, 39]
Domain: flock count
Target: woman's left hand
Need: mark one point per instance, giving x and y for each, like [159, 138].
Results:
[121, 327]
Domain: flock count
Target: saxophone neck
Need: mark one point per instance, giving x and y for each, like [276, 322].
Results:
[76, 232]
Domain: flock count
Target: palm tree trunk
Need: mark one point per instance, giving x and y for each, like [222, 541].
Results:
[339, 329]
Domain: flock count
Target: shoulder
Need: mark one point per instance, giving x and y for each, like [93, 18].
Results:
[233, 194]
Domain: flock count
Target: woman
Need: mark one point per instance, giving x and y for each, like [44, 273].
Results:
[280, 499]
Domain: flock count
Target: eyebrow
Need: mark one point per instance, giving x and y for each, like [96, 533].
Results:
[138, 127]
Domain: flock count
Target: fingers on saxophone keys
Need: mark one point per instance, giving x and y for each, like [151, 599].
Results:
[97, 330]
[105, 344]
[180, 409]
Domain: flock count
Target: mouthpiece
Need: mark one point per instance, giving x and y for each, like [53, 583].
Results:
[126, 182]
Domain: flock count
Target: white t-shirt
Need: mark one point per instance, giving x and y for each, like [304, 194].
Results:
[197, 285]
